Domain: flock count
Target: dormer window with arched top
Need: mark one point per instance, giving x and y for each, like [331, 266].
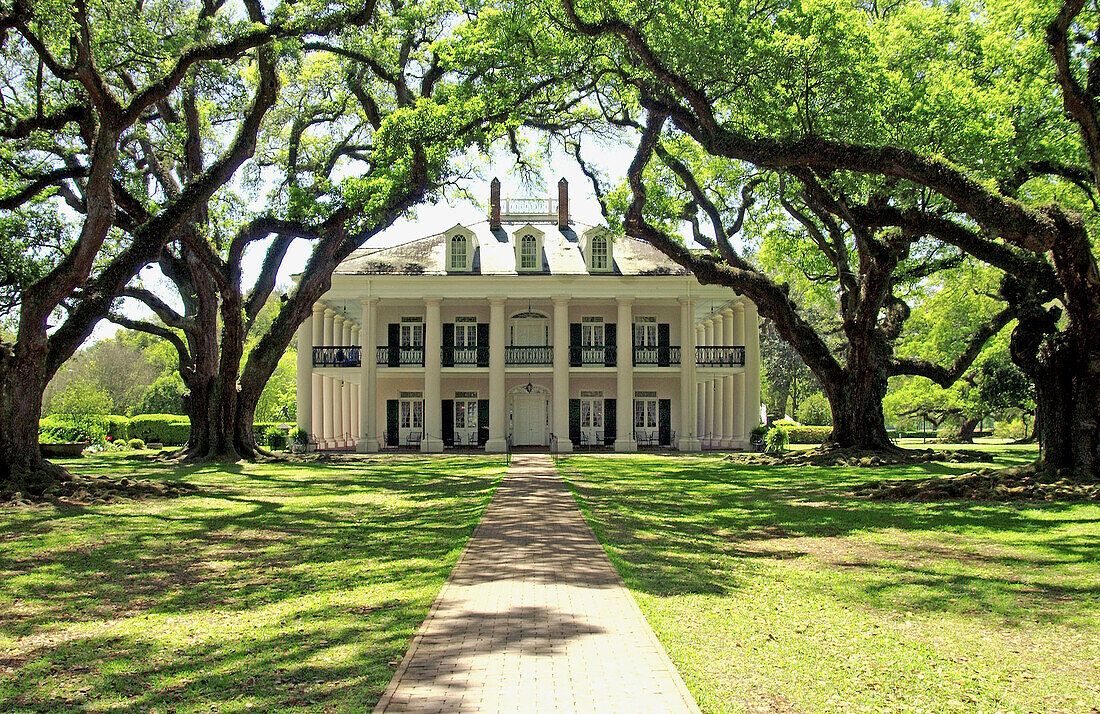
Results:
[528, 244]
[596, 245]
[528, 252]
[459, 245]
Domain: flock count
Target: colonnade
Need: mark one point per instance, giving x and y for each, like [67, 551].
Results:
[728, 406]
[340, 413]
[336, 402]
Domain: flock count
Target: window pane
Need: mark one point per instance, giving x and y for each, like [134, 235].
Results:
[418, 415]
[460, 415]
[639, 413]
[651, 413]
[405, 411]
[586, 413]
[471, 414]
[597, 413]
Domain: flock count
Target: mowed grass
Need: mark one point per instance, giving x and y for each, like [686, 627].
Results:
[773, 589]
[274, 587]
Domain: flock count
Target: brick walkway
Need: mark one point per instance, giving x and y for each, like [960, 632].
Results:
[535, 619]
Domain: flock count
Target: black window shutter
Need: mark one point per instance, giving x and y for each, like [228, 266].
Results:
[391, 422]
[483, 343]
[448, 344]
[482, 416]
[448, 422]
[664, 422]
[609, 339]
[634, 333]
[574, 344]
[575, 421]
[393, 359]
[664, 339]
[609, 421]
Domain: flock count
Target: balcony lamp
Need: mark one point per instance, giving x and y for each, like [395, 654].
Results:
[529, 387]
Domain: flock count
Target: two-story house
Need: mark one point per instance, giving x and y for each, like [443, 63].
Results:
[527, 329]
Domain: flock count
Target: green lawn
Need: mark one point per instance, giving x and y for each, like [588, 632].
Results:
[774, 590]
[273, 587]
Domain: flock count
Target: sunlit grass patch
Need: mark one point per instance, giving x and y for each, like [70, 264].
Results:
[272, 587]
[776, 587]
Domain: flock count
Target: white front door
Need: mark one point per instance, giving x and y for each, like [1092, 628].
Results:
[529, 413]
[465, 421]
[410, 419]
[592, 424]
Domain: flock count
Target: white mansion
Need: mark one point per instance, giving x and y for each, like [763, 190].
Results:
[528, 330]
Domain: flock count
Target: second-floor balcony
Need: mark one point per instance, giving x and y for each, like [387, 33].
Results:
[465, 356]
[666, 356]
[720, 356]
[591, 356]
[336, 356]
[529, 355]
[400, 356]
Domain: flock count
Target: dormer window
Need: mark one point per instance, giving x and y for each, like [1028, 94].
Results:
[528, 246]
[600, 253]
[459, 245]
[458, 250]
[528, 252]
[596, 245]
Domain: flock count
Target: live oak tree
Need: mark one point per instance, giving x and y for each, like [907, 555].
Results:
[82, 82]
[374, 120]
[971, 126]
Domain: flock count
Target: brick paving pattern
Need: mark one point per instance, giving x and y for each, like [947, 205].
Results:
[535, 619]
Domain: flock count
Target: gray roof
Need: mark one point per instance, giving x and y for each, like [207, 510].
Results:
[495, 254]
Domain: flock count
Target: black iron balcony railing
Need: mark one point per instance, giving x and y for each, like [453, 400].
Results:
[716, 356]
[400, 356]
[336, 356]
[591, 356]
[519, 354]
[465, 356]
[657, 356]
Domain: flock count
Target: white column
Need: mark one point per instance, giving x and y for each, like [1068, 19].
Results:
[433, 362]
[689, 440]
[329, 387]
[355, 430]
[752, 366]
[304, 391]
[561, 374]
[708, 393]
[338, 426]
[345, 428]
[317, 421]
[368, 374]
[727, 384]
[740, 435]
[624, 371]
[700, 394]
[496, 443]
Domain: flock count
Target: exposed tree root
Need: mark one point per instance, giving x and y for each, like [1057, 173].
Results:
[52, 484]
[831, 456]
[1012, 484]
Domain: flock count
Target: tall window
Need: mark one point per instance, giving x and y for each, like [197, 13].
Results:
[458, 252]
[599, 253]
[528, 253]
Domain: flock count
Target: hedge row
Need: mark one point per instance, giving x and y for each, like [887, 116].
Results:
[808, 434]
[168, 429]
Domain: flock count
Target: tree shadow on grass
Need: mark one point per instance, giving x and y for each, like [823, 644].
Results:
[709, 526]
[238, 546]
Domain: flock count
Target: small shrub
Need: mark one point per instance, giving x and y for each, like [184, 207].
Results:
[274, 438]
[118, 446]
[137, 444]
[776, 440]
[814, 411]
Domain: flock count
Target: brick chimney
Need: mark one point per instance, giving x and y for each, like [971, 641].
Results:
[563, 203]
[494, 204]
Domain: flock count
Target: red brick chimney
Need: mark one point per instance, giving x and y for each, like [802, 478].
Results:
[563, 203]
[494, 204]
